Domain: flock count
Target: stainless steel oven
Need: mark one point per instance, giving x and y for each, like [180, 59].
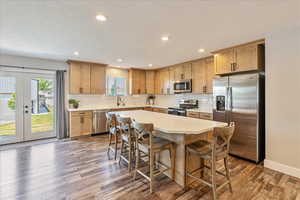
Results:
[183, 86]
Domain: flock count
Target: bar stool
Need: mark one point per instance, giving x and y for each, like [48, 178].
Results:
[127, 141]
[113, 131]
[150, 145]
[213, 151]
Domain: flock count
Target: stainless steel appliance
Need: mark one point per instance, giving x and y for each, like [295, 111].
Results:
[99, 121]
[183, 86]
[240, 98]
[183, 105]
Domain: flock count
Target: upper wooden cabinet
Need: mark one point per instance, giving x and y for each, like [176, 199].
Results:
[86, 78]
[150, 82]
[98, 79]
[241, 58]
[209, 74]
[199, 80]
[183, 71]
[137, 81]
[203, 73]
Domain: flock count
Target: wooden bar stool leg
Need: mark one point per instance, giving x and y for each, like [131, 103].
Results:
[116, 145]
[173, 157]
[121, 151]
[213, 178]
[129, 156]
[109, 144]
[227, 173]
[186, 169]
[137, 160]
[152, 157]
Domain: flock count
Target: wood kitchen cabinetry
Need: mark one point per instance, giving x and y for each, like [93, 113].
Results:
[86, 78]
[162, 81]
[98, 79]
[183, 71]
[203, 73]
[137, 81]
[241, 58]
[150, 82]
[80, 123]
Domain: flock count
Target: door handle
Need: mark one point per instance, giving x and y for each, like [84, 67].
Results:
[231, 105]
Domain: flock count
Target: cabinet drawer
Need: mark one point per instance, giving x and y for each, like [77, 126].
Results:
[148, 108]
[160, 110]
[193, 114]
[206, 116]
[81, 113]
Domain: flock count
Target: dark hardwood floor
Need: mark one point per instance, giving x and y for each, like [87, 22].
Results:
[80, 169]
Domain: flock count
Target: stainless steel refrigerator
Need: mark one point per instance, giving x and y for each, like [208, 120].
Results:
[240, 98]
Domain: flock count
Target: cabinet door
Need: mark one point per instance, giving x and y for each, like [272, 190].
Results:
[199, 80]
[142, 82]
[246, 58]
[166, 81]
[85, 78]
[98, 79]
[223, 61]
[86, 124]
[187, 71]
[150, 82]
[74, 78]
[209, 74]
[179, 74]
[171, 79]
[157, 82]
[75, 126]
[134, 81]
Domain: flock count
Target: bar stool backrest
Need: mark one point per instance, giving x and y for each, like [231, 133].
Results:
[124, 124]
[143, 132]
[111, 121]
[222, 137]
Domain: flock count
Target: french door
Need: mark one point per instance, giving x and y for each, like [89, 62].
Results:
[27, 106]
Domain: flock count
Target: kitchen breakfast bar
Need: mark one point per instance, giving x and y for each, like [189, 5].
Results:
[178, 129]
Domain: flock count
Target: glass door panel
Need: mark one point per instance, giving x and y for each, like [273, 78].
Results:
[10, 108]
[39, 107]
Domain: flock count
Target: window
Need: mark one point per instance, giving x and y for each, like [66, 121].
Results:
[116, 86]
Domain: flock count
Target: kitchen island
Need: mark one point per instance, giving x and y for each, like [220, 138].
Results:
[180, 130]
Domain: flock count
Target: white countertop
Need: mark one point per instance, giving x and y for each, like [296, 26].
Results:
[108, 107]
[172, 123]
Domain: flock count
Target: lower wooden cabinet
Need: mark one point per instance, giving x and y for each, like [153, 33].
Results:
[200, 115]
[80, 123]
[193, 114]
[160, 110]
[148, 108]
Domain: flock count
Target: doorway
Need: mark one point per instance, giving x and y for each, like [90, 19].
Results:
[27, 106]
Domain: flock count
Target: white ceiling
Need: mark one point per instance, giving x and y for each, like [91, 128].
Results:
[56, 28]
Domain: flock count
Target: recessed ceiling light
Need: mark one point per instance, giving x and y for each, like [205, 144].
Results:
[165, 38]
[201, 50]
[119, 59]
[101, 18]
[76, 53]
[150, 65]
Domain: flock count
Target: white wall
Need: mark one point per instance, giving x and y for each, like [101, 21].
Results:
[282, 101]
[23, 61]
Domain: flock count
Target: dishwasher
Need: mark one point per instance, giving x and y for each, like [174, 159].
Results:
[99, 121]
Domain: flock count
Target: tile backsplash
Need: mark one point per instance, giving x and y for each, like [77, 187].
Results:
[205, 100]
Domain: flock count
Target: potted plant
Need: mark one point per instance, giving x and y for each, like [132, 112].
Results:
[74, 103]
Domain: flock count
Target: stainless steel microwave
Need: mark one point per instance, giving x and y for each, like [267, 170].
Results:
[183, 86]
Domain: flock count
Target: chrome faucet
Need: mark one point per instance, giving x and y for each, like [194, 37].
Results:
[120, 101]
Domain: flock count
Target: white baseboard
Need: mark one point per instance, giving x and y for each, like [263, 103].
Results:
[292, 171]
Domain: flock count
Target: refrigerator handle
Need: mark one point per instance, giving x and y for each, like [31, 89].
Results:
[231, 105]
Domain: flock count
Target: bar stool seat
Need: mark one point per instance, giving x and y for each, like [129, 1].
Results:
[204, 150]
[158, 143]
